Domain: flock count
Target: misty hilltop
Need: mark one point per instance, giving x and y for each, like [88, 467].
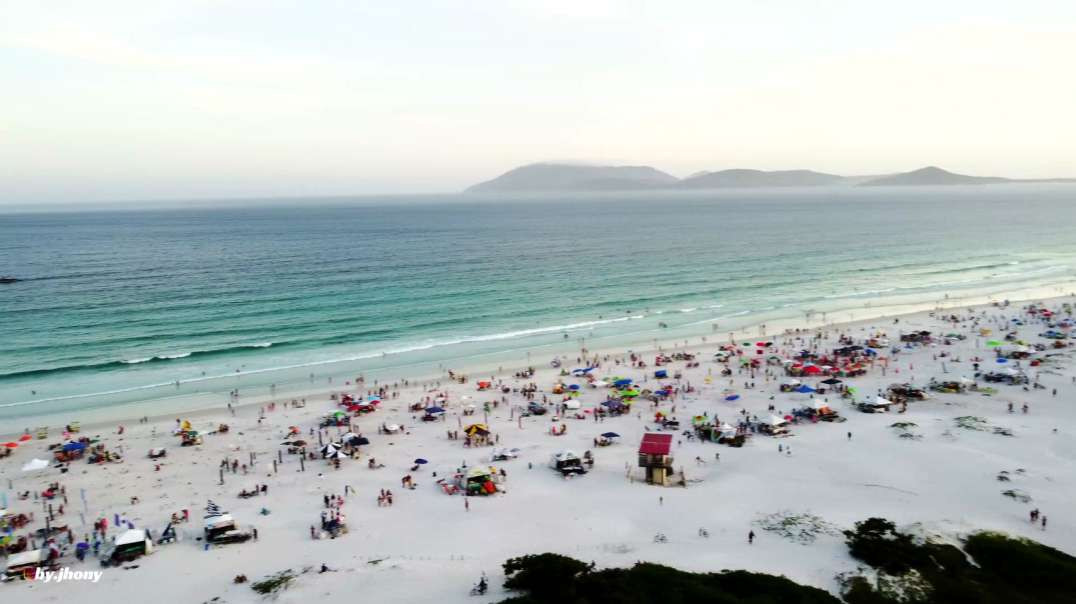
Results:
[572, 177]
[932, 175]
[546, 177]
[759, 178]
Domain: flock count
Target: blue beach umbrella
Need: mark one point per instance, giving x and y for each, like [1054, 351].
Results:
[1003, 360]
[434, 410]
[732, 397]
[610, 435]
[421, 461]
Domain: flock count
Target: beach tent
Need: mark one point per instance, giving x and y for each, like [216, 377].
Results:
[74, 446]
[474, 429]
[821, 406]
[880, 402]
[479, 481]
[775, 421]
[804, 389]
[504, 454]
[567, 462]
[22, 562]
[35, 464]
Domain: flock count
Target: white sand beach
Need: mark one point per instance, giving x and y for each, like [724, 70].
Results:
[935, 472]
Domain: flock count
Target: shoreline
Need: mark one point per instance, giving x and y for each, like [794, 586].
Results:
[123, 413]
[890, 468]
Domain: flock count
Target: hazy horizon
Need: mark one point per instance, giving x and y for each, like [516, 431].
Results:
[124, 101]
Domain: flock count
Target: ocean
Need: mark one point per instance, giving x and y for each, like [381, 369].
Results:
[117, 305]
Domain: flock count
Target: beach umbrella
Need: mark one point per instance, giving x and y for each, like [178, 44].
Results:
[804, 389]
[11, 445]
[358, 440]
[1003, 360]
[993, 343]
[610, 435]
[573, 387]
[74, 446]
[35, 464]
[432, 410]
[24, 438]
[732, 397]
[421, 461]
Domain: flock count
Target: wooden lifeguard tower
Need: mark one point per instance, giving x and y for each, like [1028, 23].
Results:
[655, 458]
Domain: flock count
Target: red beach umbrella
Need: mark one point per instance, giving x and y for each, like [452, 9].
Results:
[25, 437]
[11, 445]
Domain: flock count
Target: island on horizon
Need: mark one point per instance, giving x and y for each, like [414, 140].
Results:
[553, 176]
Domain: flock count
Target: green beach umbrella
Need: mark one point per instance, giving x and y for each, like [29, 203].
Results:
[993, 343]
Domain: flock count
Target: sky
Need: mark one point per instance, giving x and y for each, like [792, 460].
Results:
[145, 100]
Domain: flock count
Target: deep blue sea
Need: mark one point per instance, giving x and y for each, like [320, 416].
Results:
[116, 305]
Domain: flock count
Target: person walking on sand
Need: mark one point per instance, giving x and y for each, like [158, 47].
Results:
[750, 537]
[467, 504]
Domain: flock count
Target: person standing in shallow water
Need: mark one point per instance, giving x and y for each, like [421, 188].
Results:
[750, 537]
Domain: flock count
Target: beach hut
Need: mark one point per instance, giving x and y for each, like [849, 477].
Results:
[655, 457]
[24, 564]
[220, 527]
[567, 462]
[478, 481]
[773, 425]
[128, 545]
[878, 405]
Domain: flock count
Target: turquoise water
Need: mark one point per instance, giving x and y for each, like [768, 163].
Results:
[117, 305]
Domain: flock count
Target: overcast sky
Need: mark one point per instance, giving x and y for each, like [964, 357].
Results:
[149, 99]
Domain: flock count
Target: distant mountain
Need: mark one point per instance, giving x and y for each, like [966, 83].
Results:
[547, 177]
[572, 177]
[932, 175]
[759, 178]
